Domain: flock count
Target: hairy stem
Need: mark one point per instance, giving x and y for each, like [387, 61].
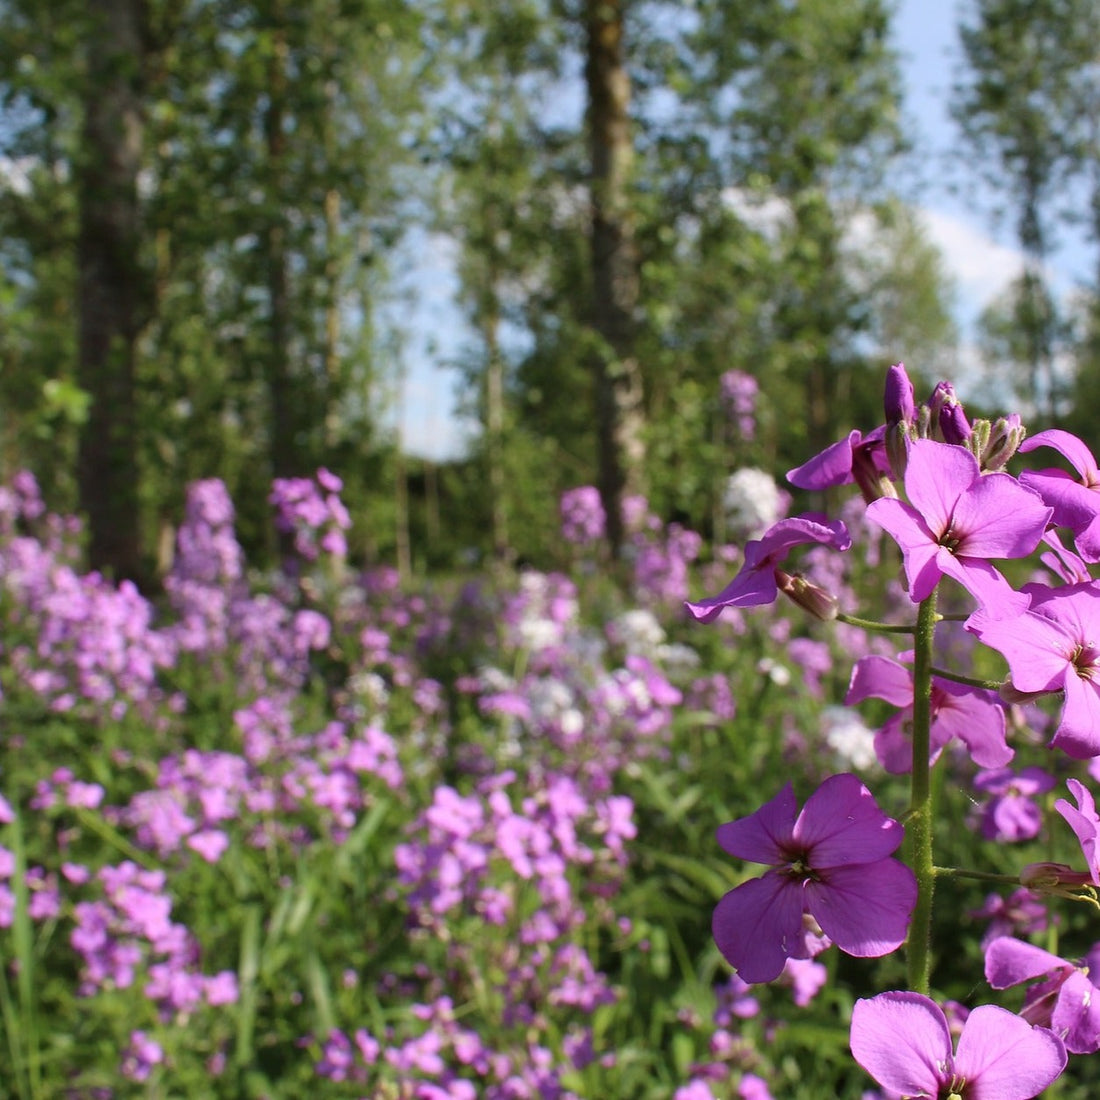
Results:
[919, 826]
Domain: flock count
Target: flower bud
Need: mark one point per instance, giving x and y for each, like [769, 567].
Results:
[949, 423]
[809, 596]
[1050, 877]
[898, 401]
[1006, 435]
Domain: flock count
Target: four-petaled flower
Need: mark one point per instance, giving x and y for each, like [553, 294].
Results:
[760, 576]
[956, 519]
[830, 861]
[1076, 502]
[1065, 1000]
[1055, 646]
[1085, 822]
[902, 1040]
[970, 714]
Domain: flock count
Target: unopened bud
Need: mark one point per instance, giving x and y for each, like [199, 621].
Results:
[809, 596]
[899, 402]
[1052, 877]
[1005, 437]
[949, 423]
[873, 483]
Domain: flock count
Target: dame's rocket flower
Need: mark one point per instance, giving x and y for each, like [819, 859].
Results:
[830, 861]
[956, 519]
[970, 714]
[1066, 1000]
[1085, 822]
[902, 1040]
[1076, 501]
[760, 577]
[1055, 646]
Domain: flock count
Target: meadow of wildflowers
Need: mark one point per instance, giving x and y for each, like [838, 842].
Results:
[325, 832]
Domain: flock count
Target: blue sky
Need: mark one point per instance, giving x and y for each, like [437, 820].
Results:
[958, 213]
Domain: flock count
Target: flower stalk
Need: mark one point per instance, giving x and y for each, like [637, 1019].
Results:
[919, 824]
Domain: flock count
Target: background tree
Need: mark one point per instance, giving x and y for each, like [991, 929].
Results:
[1018, 104]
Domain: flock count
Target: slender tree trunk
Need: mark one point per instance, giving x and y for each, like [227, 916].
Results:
[494, 433]
[112, 290]
[618, 381]
[284, 444]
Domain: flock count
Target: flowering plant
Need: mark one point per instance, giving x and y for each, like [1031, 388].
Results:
[936, 483]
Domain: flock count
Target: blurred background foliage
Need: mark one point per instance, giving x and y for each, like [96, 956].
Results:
[208, 209]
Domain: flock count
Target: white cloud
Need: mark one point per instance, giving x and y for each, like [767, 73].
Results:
[981, 267]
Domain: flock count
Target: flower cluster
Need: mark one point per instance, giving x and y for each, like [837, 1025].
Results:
[937, 484]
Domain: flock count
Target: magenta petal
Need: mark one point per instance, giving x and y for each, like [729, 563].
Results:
[1085, 823]
[1076, 1015]
[894, 743]
[833, 466]
[995, 596]
[877, 677]
[758, 838]
[1002, 1057]
[1070, 447]
[1009, 961]
[936, 476]
[999, 518]
[976, 719]
[752, 587]
[758, 924]
[1036, 648]
[1078, 733]
[919, 547]
[902, 1041]
[841, 823]
[864, 909]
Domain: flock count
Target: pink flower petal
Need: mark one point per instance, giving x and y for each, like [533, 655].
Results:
[1002, 1057]
[758, 838]
[901, 1040]
[936, 476]
[877, 677]
[758, 924]
[842, 824]
[1009, 961]
[864, 909]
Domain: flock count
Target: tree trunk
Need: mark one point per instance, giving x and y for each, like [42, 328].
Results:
[112, 285]
[284, 414]
[618, 379]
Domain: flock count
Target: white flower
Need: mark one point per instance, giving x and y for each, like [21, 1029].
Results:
[637, 631]
[753, 501]
[849, 738]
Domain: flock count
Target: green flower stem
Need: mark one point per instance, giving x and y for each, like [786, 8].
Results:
[970, 681]
[919, 827]
[877, 627]
[980, 876]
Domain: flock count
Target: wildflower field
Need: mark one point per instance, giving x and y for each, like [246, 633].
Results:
[581, 832]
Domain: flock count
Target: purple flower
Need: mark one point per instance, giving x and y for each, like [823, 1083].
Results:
[857, 458]
[1085, 823]
[1066, 1000]
[1011, 814]
[831, 861]
[582, 515]
[759, 579]
[1076, 501]
[971, 715]
[957, 519]
[1051, 647]
[902, 1040]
